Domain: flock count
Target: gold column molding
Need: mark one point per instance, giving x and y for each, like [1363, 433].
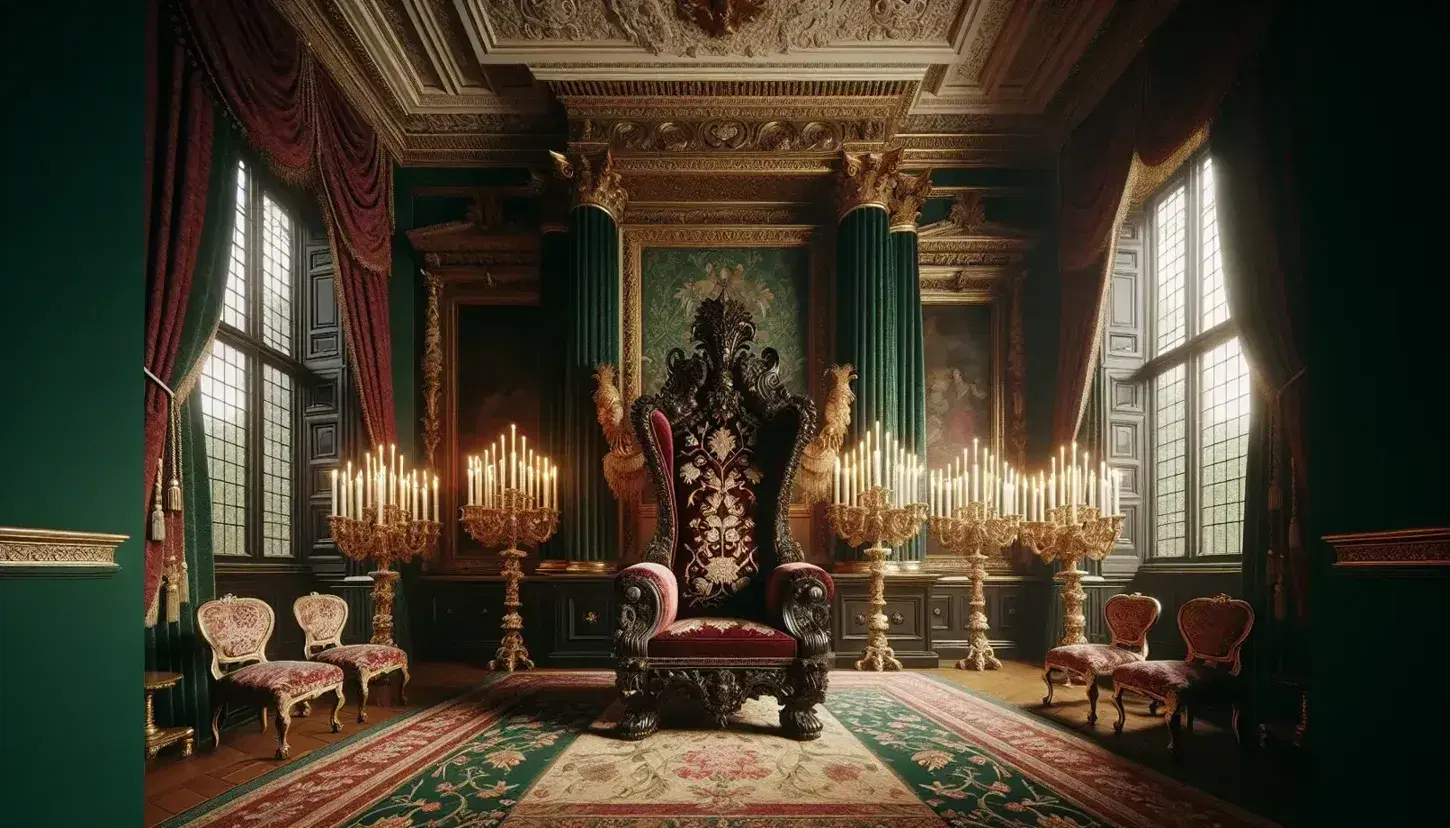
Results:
[594, 181]
[26, 550]
[908, 193]
[432, 368]
[1405, 547]
[866, 179]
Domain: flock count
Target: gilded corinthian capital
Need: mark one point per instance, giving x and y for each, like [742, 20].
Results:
[594, 181]
[907, 196]
[866, 178]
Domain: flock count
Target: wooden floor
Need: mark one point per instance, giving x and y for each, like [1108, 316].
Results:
[1258, 780]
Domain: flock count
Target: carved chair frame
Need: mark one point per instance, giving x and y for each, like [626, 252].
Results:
[364, 677]
[1137, 645]
[722, 379]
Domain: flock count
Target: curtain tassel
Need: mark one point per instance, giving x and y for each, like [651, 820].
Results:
[173, 601]
[173, 493]
[158, 517]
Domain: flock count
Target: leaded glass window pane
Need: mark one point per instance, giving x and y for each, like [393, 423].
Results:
[1214, 299]
[1170, 528]
[276, 463]
[224, 418]
[1224, 439]
[234, 303]
[1172, 270]
[276, 277]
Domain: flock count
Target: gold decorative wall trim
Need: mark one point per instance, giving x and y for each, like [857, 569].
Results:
[432, 368]
[56, 551]
[1405, 547]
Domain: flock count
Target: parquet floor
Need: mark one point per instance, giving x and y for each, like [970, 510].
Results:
[1259, 780]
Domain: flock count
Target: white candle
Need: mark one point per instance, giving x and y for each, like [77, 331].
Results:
[380, 505]
[435, 498]
[836, 491]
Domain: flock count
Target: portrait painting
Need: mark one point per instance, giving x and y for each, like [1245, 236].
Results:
[960, 397]
[772, 282]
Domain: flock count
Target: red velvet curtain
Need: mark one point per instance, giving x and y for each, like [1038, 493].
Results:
[1165, 96]
[294, 113]
[180, 128]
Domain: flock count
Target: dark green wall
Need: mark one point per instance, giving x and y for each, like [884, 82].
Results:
[71, 337]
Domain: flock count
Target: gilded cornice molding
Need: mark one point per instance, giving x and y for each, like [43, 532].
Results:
[1406, 547]
[866, 179]
[54, 551]
[969, 212]
[594, 181]
[907, 196]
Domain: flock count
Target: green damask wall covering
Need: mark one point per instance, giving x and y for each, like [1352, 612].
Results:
[71, 344]
[773, 282]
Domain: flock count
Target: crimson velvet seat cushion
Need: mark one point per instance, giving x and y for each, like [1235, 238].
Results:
[721, 638]
[1090, 659]
[1184, 679]
[365, 658]
[284, 679]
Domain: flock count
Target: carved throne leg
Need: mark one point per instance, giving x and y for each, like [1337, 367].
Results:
[1047, 679]
[641, 703]
[808, 688]
[284, 723]
[1092, 688]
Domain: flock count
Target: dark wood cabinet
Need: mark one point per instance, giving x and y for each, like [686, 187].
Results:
[579, 620]
[908, 611]
[1016, 609]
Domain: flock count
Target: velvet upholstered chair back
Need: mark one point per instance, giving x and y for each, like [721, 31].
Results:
[1215, 629]
[236, 629]
[723, 442]
[322, 619]
[1130, 616]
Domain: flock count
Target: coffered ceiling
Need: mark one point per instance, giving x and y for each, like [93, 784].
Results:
[783, 82]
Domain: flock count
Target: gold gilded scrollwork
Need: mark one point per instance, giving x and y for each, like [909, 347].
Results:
[595, 181]
[432, 368]
[867, 178]
[907, 196]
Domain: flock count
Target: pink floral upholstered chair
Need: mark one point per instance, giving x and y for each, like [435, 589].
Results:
[322, 619]
[237, 629]
[723, 608]
[1129, 617]
[1214, 630]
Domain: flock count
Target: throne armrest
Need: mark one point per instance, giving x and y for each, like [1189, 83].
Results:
[798, 597]
[648, 599]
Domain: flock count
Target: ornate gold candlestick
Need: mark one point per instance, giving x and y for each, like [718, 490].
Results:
[874, 520]
[1070, 534]
[515, 519]
[398, 538]
[974, 530]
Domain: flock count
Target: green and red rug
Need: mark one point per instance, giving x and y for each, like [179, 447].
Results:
[533, 749]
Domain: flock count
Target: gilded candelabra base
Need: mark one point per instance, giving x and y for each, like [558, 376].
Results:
[384, 584]
[1071, 534]
[979, 651]
[512, 653]
[1073, 598]
[879, 656]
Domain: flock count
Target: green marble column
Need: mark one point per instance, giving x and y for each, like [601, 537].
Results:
[908, 194]
[555, 275]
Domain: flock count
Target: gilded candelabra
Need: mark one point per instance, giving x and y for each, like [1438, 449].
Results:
[398, 538]
[975, 530]
[875, 520]
[1071, 534]
[514, 517]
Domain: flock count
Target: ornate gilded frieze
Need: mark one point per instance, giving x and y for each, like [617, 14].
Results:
[593, 180]
[747, 214]
[907, 196]
[432, 368]
[54, 551]
[1406, 547]
[866, 178]
[727, 134]
[968, 252]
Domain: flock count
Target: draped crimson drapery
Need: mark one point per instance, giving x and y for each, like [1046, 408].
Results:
[295, 114]
[1161, 101]
[180, 126]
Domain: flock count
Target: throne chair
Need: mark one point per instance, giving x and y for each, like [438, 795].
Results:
[723, 608]
[1214, 629]
[237, 630]
[322, 619]
[1129, 618]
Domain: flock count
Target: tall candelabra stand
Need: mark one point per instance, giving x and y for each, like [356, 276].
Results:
[974, 531]
[514, 517]
[877, 519]
[1071, 534]
[397, 538]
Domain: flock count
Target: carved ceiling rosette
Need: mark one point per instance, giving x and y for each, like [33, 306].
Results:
[594, 180]
[866, 178]
[907, 196]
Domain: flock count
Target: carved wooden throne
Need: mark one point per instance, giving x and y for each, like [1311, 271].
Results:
[723, 608]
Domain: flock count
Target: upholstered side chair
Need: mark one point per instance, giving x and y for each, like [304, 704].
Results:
[1214, 629]
[1129, 618]
[723, 608]
[322, 619]
[237, 630]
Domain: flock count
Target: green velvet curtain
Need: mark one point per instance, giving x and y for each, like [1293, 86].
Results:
[911, 351]
[866, 323]
[178, 647]
[555, 254]
[588, 525]
[1260, 653]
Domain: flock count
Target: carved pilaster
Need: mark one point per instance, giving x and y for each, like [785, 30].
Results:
[867, 178]
[432, 368]
[1016, 372]
[907, 195]
[593, 181]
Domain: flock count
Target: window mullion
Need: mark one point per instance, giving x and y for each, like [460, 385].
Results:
[1147, 480]
[301, 469]
[254, 376]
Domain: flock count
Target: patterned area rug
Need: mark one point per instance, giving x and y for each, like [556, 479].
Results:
[533, 749]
